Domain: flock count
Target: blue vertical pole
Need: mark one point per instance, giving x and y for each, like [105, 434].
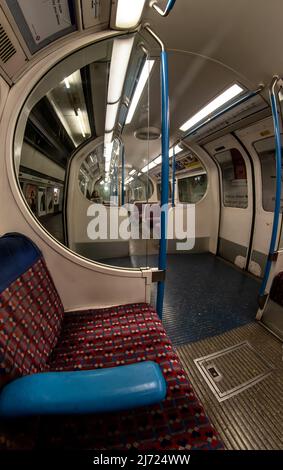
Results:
[123, 176]
[173, 176]
[164, 179]
[277, 209]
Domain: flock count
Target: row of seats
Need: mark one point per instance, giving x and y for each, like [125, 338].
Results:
[38, 337]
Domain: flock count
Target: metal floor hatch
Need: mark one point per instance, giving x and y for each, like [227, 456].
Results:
[232, 370]
[252, 419]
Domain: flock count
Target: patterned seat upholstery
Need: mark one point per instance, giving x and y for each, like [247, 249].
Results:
[125, 335]
[31, 309]
[36, 335]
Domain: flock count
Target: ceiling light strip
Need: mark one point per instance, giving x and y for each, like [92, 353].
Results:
[126, 14]
[158, 160]
[212, 106]
[230, 107]
[144, 76]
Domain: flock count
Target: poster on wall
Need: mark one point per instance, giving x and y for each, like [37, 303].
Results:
[31, 196]
[42, 21]
[41, 202]
[50, 200]
[234, 179]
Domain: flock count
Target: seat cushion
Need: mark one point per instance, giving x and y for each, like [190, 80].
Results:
[31, 311]
[124, 335]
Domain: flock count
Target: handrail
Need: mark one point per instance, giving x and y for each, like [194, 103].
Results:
[164, 169]
[169, 6]
[277, 209]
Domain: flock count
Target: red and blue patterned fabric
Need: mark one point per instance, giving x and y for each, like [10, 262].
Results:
[31, 314]
[36, 335]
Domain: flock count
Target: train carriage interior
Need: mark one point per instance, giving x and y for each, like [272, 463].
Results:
[141, 241]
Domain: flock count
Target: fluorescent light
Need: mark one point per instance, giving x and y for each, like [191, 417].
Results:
[139, 88]
[108, 137]
[80, 117]
[108, 155]
[121, 53]
[215, 104]
[128, 13]
[132, 172]
[149, 167]
[67, 83]
[120, 57]
[111, 114]
[61, 118]
[178, 149]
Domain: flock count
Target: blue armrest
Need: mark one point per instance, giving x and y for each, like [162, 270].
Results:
[89, 391]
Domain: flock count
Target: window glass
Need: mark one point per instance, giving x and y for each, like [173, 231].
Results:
[192, 189]
[266, 153]
[76, 140]
[159, 191]
[234, 178]
[93, 184]
[141, 189]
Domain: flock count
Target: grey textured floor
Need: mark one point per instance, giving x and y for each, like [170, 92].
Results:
[253, 419]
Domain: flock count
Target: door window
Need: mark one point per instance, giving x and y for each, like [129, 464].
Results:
[234, 178]
[266, 153]
[192, 189]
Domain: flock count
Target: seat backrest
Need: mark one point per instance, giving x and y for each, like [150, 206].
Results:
[31, 311]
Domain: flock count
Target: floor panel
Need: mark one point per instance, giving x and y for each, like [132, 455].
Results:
[252, 419]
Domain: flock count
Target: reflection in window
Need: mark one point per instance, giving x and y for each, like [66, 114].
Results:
[159, 191]
[192, 189]
[95, 185]
[266, 152]
[140, 189]
[234, 178]
[81, 101]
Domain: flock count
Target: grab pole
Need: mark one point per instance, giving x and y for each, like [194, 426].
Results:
[164, 172]
[277, 209]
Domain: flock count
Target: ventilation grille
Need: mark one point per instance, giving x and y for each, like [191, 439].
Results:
[145, 133]
[7, 49]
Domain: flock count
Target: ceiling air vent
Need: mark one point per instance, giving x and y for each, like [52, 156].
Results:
[7, 49]
[12, 56]
[151, 133]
